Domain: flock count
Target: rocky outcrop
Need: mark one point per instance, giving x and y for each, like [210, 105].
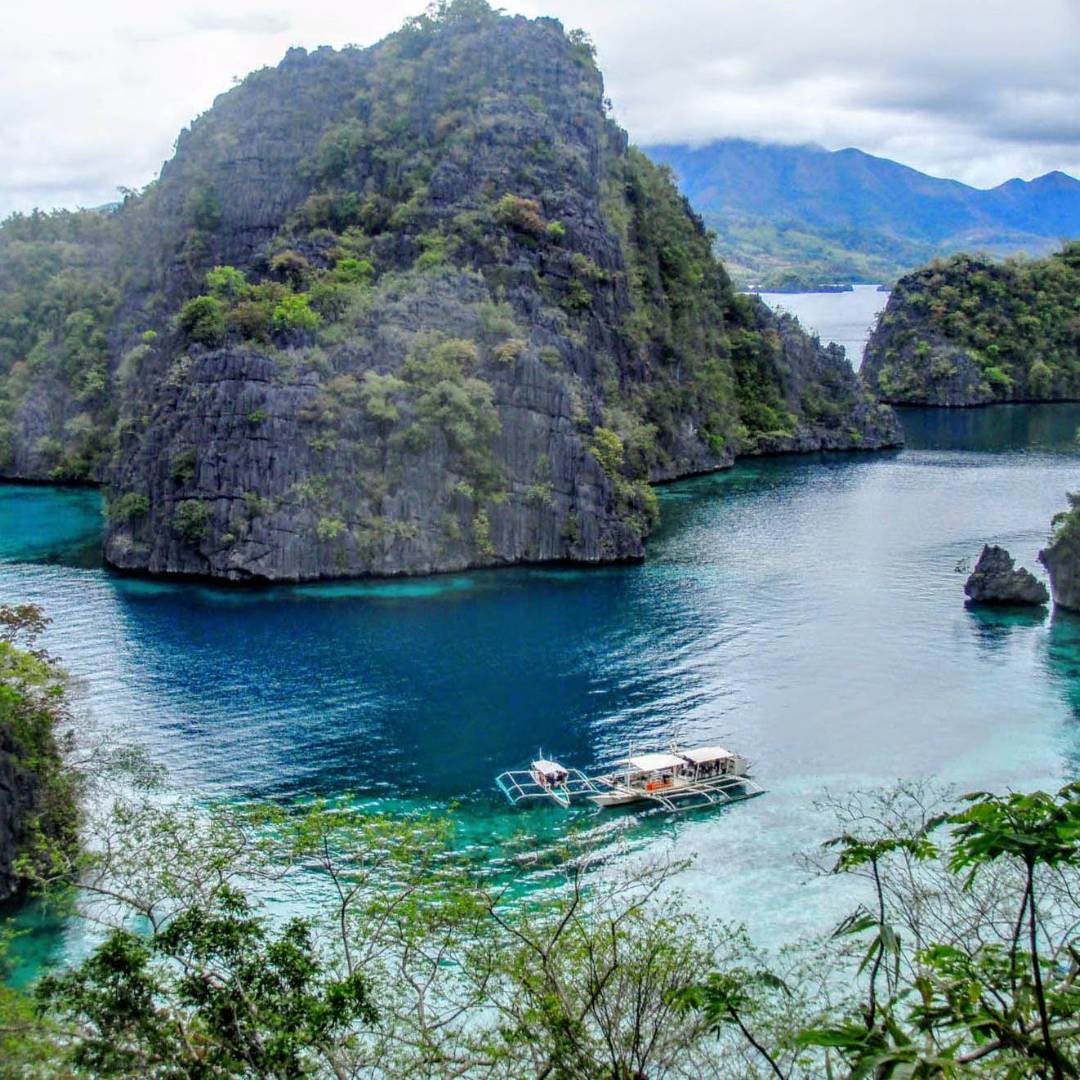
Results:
[19, 804]
[996, 580]
[970, 331]
[1062, 557]
[420, 307]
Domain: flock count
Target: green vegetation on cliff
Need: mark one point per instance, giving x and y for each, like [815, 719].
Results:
[38, 811]
[1061, 556]
[968, 331]
[400, 324]
[58, 301]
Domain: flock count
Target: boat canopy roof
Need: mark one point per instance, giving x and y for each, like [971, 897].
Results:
[545, 766]
[706, 753]
[653, 762]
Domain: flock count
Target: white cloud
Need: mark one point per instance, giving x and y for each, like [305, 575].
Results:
[240, 24]
[94, 95]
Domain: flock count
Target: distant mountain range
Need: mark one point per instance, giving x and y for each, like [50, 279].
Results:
[791, 216]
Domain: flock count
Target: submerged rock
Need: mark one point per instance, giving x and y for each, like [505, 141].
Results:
[996, 580]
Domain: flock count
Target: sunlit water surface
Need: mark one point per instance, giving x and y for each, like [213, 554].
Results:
[845, 317]
[806, 611]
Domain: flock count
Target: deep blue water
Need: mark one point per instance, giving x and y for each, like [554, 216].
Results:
[806, 611]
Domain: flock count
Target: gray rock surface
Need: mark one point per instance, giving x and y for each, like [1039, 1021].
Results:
[599, 315]
[997, 580]
[1062, 561]
[19, 789]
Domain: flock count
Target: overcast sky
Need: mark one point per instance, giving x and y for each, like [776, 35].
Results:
[93, 94]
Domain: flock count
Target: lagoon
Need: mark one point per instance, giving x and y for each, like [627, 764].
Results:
[805, 610]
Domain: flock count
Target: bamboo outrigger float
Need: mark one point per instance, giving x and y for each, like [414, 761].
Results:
[675, 779]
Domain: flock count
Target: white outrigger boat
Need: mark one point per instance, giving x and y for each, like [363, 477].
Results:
[544, 779]
[675, 779]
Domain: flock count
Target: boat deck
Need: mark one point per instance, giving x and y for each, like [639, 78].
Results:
[520, 785]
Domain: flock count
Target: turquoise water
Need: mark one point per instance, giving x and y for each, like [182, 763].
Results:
[806, 611]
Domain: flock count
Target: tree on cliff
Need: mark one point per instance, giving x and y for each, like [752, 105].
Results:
[38, 810]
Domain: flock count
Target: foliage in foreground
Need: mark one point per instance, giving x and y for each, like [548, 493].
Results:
[397, 959]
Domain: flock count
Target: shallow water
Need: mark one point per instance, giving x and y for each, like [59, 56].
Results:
[806, 611]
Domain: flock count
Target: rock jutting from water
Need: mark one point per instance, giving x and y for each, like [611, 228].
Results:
[410, 308]
[997, 580]
[1061, 556]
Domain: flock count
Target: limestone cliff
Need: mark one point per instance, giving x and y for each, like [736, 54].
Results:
[971, 331]
[414, 308]
[1061, 556]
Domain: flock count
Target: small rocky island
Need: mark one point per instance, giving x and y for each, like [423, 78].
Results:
[971, 331]
[997, 580]
[411, 308]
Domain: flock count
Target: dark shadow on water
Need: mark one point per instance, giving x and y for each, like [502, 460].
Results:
[994, 625]
[993, 428]
[1063, 668]
[1063, 656]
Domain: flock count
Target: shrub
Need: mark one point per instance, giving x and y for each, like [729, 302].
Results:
[131, 363]
[256, 505]
[191, 520]
[339, 148]
[376, 396]
[607, 448]
[48, 447]
[293, 314]
[329, 528]
[447, 359]
[506, 352]
[227, 283]
[520, 214]
[352, 271]
[291, 267]
[204, 208]
[130, 505]
[555, 232]
[496, 320]
[481, 529]
[202, 319]
[330, 300]
[251, 320]
[182, 468]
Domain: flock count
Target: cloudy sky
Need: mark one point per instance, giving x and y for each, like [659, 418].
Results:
[93, 94]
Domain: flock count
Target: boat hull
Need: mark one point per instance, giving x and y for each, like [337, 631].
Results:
[621, 794]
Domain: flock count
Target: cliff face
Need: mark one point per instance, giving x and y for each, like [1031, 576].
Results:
[20, 803]
[38, 813]
[1061, 556]
[419, 307]
[968, 331]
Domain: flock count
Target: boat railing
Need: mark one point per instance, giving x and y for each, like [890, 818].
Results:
[701, 793]
[521, 784]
